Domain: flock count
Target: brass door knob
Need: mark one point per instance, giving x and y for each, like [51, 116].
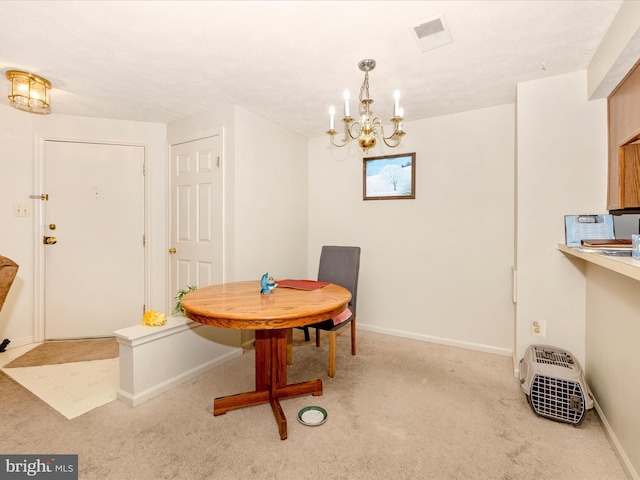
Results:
[49, 240]
[172, 250]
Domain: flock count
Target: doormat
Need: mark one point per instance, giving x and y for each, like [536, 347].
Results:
[67, 351]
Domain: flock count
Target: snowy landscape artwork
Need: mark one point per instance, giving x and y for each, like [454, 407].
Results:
[389, 177]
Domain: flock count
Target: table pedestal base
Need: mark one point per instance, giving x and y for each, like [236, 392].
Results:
[271, 380]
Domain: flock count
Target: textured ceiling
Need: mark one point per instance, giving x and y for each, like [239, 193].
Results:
[288, 61]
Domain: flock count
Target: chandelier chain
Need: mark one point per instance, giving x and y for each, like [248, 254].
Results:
[364, 89]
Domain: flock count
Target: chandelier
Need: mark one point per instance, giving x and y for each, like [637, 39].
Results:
[29, 92]
[366, 128]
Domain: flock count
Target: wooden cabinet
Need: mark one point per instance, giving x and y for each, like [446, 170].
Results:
[624, 144]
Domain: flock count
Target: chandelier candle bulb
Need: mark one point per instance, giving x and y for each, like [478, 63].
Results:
[332, 123]
[396, 104]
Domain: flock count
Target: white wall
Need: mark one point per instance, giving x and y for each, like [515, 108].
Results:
[437, 268]
[561, 170]
[613, 329]
[270, 198]
[18, 235]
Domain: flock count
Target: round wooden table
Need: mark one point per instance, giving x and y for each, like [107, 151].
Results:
[240, 305]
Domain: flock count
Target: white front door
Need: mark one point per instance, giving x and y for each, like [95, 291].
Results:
[94, 272]
[196, 213]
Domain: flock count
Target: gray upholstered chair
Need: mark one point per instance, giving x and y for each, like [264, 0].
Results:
[339, 265]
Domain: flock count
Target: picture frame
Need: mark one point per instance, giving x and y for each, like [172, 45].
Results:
[390, 177]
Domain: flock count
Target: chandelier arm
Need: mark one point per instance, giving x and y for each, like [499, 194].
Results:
[354, 130]
[384, 139]
[331, 135]
[394, 134]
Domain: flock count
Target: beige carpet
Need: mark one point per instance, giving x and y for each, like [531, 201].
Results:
[400, 409]
[69, 351]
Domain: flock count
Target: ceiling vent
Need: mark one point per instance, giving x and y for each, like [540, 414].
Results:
[432, 33]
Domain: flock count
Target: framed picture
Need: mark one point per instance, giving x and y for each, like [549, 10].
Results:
[392, 177]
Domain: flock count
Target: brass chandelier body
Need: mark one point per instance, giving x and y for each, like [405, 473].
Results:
[29, 92]
[367, 128]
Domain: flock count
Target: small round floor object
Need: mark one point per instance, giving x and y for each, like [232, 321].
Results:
[312, 416]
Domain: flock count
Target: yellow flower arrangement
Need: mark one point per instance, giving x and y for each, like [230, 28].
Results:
[154, 319]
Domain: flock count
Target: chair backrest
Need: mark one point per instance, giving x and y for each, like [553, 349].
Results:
[341, 265]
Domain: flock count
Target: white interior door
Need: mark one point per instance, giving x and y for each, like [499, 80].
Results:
[94, 272]
[196, 213]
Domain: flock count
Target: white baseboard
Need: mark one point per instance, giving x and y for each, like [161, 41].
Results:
[442, 341]
[622, 455]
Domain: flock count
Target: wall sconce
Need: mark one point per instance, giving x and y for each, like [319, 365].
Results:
[29, 92]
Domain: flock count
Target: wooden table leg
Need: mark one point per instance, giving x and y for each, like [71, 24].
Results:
[263, 360]
[278, 358]
[271, 380]
[281, 420]
[278, 377]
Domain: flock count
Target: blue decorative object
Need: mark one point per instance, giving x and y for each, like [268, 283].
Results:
[266, 284]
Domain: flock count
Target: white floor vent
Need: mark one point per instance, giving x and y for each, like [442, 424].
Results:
[554, 384]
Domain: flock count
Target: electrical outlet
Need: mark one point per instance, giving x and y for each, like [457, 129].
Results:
[539, 328]
[21, 210]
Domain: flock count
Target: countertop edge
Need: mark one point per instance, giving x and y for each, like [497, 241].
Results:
[627, 266]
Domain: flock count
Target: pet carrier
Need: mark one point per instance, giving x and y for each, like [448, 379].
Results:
[554, 384]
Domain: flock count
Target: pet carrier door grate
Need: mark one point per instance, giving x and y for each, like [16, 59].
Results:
[554, 384]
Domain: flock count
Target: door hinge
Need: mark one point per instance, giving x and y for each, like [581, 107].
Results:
[144, 240]
[144, 168]
[218, 161]
[144, 309]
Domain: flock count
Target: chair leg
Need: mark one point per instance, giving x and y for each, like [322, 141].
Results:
[317, 337]
[353, 336]
[332, 353]
[289, 346]
[306, 334]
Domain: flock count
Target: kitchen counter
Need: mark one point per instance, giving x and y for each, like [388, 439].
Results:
[626, 266]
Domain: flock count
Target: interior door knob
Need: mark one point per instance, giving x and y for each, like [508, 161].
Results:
[49, 240]
[172, 250]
